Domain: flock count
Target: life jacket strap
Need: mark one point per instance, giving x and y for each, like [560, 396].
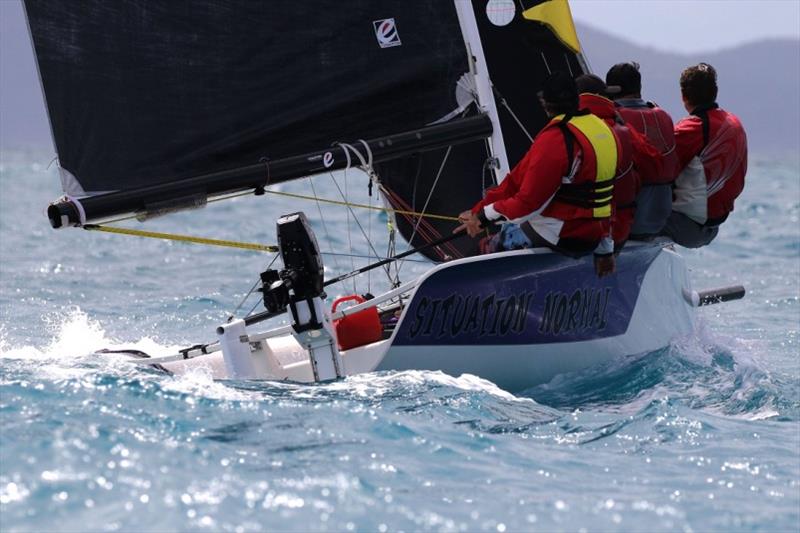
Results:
[569, 137]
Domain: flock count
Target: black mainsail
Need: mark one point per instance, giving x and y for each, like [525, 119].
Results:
[159, 104]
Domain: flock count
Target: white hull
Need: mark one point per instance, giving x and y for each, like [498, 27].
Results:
[662, 312]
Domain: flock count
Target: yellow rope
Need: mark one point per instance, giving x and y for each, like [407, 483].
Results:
[363, 206]
[183, 238]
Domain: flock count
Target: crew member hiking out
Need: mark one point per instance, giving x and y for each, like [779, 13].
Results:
[635, 155]
[712, 155]
[560, 194]
[654, 201]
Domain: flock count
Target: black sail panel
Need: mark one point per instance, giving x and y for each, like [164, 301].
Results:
[143, 92]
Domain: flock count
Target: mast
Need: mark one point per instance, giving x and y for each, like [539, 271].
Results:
[483, 83]
[193, 192]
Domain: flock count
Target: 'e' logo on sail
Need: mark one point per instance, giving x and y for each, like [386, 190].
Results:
[386, 33]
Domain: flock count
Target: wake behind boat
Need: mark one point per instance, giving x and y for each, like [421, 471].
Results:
[179, 110]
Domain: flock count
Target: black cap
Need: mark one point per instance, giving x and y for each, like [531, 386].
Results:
[589, 83]
[559, 88]
[626, 76]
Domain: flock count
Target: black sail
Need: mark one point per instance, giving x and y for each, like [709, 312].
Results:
[141, 92]
[156, 105]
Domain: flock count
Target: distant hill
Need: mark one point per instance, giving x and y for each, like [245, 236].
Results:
[759, 82]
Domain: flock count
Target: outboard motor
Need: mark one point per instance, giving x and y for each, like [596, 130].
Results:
[300, 287]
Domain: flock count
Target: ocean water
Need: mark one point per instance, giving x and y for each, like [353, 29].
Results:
[703, 435]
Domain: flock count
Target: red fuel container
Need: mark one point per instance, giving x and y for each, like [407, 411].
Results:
[359, 328]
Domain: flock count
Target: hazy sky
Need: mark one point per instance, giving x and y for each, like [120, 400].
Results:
[691, 25]
[671, 25]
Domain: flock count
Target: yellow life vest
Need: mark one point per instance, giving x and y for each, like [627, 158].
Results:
[597, 194]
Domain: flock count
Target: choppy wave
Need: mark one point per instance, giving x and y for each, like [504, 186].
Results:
[699, 436]
[95, 437]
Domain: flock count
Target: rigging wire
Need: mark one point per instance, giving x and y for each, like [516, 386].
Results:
[306, 197]
[391, 249]
[349, 235]
[244, 245]
[369, 233]
[246, 296]
[427, 200]
[547, 66]
[322, 218]
[355, 218]
[569, 67]
[387, 210]
[250, 312]
[504, 103]
[367, 168]
[380, 258]
[426, 230]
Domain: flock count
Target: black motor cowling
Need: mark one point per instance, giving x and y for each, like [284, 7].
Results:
[303, 271]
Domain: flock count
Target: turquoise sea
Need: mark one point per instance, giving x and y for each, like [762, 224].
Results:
[701, 436]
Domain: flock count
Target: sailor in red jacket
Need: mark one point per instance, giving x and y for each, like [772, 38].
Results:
[712, 154]
[635, 154]
[654, 201]
[561, 191]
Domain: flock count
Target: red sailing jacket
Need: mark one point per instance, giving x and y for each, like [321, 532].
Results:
[531, 185]
[635, 156]
[656, 124]
[723, 154]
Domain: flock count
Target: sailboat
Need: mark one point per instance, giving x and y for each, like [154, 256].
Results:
[161, 107]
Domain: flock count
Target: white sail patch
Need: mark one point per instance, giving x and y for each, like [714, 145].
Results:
[500, 12]
[466, 94]
[386, 33]
[72, 187]
[70, 184]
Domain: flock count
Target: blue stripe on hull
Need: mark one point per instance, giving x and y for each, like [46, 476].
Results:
[524, 299]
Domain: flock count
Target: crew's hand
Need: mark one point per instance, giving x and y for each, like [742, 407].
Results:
[604, 265]
[470, 223]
